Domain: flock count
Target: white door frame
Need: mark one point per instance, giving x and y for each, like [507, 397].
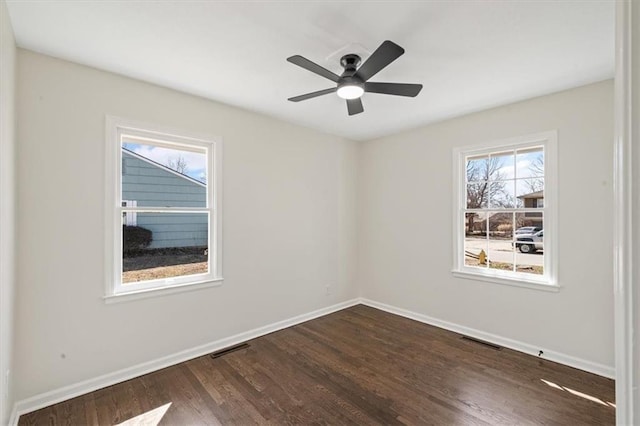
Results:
[626, 198]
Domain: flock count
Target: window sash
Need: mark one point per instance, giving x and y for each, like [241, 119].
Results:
[213, 266]
[171, 142]
[506, 210]
[170, 209]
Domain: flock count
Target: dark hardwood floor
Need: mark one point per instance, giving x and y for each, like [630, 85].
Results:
[356, 366]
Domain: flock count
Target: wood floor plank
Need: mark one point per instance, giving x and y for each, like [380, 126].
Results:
[386, 378]
[356, 366]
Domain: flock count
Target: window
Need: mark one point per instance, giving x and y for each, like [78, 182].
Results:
[129, 216]
[506, 198]
[163, 210]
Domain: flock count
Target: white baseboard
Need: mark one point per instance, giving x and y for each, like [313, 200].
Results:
[571, 361]
[58, 395]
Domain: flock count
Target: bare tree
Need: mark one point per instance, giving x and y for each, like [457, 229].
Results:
[178, 164]
[536, 167]
[486, 185]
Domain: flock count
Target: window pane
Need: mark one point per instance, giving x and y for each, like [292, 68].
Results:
[530, 192]
[527, 222]
[476, 168]
[161, 176]
[502, 194]
[500, 241]
[165, 245]
[477, 195]
[501, 165]
[501, 225]
[530, 163]
[475, 242]
[529, 242]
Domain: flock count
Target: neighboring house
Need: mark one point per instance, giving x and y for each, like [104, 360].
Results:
[147, 183]
[533, 200]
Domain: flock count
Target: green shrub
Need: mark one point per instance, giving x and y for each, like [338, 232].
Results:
[135, 238]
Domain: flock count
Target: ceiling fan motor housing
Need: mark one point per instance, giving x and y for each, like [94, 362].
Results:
[349, 77]
[350, 63]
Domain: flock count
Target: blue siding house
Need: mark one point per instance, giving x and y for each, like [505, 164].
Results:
[146, 183]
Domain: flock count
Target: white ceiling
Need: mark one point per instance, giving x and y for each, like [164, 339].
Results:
[469, 55]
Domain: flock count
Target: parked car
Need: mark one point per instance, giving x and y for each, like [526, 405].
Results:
[528, 230]
[530, 243]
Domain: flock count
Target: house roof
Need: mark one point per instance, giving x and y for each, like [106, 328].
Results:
[162, 166]
[537, 194]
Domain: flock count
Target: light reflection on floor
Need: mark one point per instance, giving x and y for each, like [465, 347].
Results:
[580, 394]
[150, 418]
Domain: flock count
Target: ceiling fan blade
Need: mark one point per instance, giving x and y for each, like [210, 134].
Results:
[386, 53]
[312, 95]
[313, 67]
[399, 89]
[354, 106]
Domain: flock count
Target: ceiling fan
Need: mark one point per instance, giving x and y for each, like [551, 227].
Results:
[353, 82]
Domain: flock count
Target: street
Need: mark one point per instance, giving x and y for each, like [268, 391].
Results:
[502, 251]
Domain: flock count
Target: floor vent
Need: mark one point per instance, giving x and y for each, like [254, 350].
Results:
[228, 350]
[482, 342]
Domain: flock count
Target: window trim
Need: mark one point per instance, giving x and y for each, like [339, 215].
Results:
[549, 280]
[114, 127]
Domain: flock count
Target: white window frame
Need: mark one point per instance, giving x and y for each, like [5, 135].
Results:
[115, 290]
[548, 280]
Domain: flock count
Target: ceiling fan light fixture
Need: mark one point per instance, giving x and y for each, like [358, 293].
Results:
[350, 91]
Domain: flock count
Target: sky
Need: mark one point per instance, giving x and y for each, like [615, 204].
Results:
[522, 167]
[523, 170]
[196, 162]
[518, 171]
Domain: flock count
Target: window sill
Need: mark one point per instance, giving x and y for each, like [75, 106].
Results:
[162, 291]
[523, 283]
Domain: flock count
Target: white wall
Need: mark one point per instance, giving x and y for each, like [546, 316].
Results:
[635, 297]
[405, 226]
[7, 207]
[289, 226]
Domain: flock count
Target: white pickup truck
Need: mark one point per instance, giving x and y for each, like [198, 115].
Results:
[530, 243]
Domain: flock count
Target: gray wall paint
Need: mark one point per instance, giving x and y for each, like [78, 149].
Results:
[152, 186]
[175, 230]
